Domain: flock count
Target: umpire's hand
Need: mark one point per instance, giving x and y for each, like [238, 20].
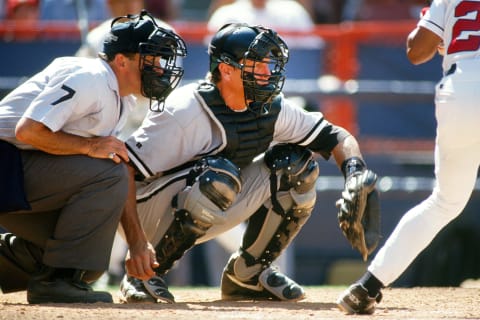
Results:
[107, 148]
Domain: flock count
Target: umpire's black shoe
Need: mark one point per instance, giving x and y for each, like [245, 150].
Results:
[270, 284]
[62, 288]
[134, 290]
[356, 300]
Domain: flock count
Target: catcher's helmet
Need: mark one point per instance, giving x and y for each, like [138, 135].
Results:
[141, 34]
[235, 43]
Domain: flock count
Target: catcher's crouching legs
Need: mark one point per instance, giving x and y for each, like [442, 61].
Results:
[198, 207]
[179, 237]
[248, 274]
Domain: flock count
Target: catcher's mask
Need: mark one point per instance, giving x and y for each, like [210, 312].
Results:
[160, 51]
[236, 43]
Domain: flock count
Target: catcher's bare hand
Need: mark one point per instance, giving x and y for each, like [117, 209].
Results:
[359, 212]
[140, 261]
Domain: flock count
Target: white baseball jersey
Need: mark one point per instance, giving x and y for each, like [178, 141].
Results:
[281, 15]
[187, 130]
[457, 143]
[79, 96]
[457, 23]
[284, 15]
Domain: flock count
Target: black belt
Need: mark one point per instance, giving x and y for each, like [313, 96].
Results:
[451, 70]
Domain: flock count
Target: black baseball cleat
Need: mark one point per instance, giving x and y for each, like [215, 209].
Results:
[19, 260]
[60, 288]
[356, 300]
[134, 290]
[158, 288]
[23, 253]
[270, 284]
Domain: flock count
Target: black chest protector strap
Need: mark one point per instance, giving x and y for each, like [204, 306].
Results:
[248, 133]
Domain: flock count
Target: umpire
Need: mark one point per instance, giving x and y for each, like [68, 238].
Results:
[63, 174]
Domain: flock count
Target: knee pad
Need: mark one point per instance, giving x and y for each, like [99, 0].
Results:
[215, 187]
[295, 164]
[212, 187]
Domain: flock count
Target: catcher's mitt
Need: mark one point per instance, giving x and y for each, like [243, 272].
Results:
[359, 212]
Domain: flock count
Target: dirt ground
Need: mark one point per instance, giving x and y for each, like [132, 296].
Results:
[205, 303]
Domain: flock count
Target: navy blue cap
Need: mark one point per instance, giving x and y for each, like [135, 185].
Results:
[125, 37]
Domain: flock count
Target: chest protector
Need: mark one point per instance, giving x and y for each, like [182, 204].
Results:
[248, 133]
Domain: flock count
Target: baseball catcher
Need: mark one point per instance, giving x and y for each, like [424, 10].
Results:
[240, 151]
[359, 208]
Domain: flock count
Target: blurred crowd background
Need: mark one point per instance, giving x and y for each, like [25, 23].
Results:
[349, 62]
[320, 11]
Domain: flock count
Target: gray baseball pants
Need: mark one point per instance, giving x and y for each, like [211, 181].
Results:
[76, 205]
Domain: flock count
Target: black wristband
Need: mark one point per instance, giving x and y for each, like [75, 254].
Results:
[352, 165]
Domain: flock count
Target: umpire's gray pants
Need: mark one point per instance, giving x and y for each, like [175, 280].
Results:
[76, 205]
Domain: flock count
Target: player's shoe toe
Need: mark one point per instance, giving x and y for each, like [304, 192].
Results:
[270, 284]
[280, 285]
[132, 290]
[157, 287]
[356, 300]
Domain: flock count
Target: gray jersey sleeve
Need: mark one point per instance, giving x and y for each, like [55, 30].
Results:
[181, 133]
[296, 125]
[308, 129]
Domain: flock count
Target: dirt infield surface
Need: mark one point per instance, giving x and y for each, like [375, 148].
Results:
[205, 303]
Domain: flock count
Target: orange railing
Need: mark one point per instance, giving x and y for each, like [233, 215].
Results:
[340, 58]
[341, 39]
